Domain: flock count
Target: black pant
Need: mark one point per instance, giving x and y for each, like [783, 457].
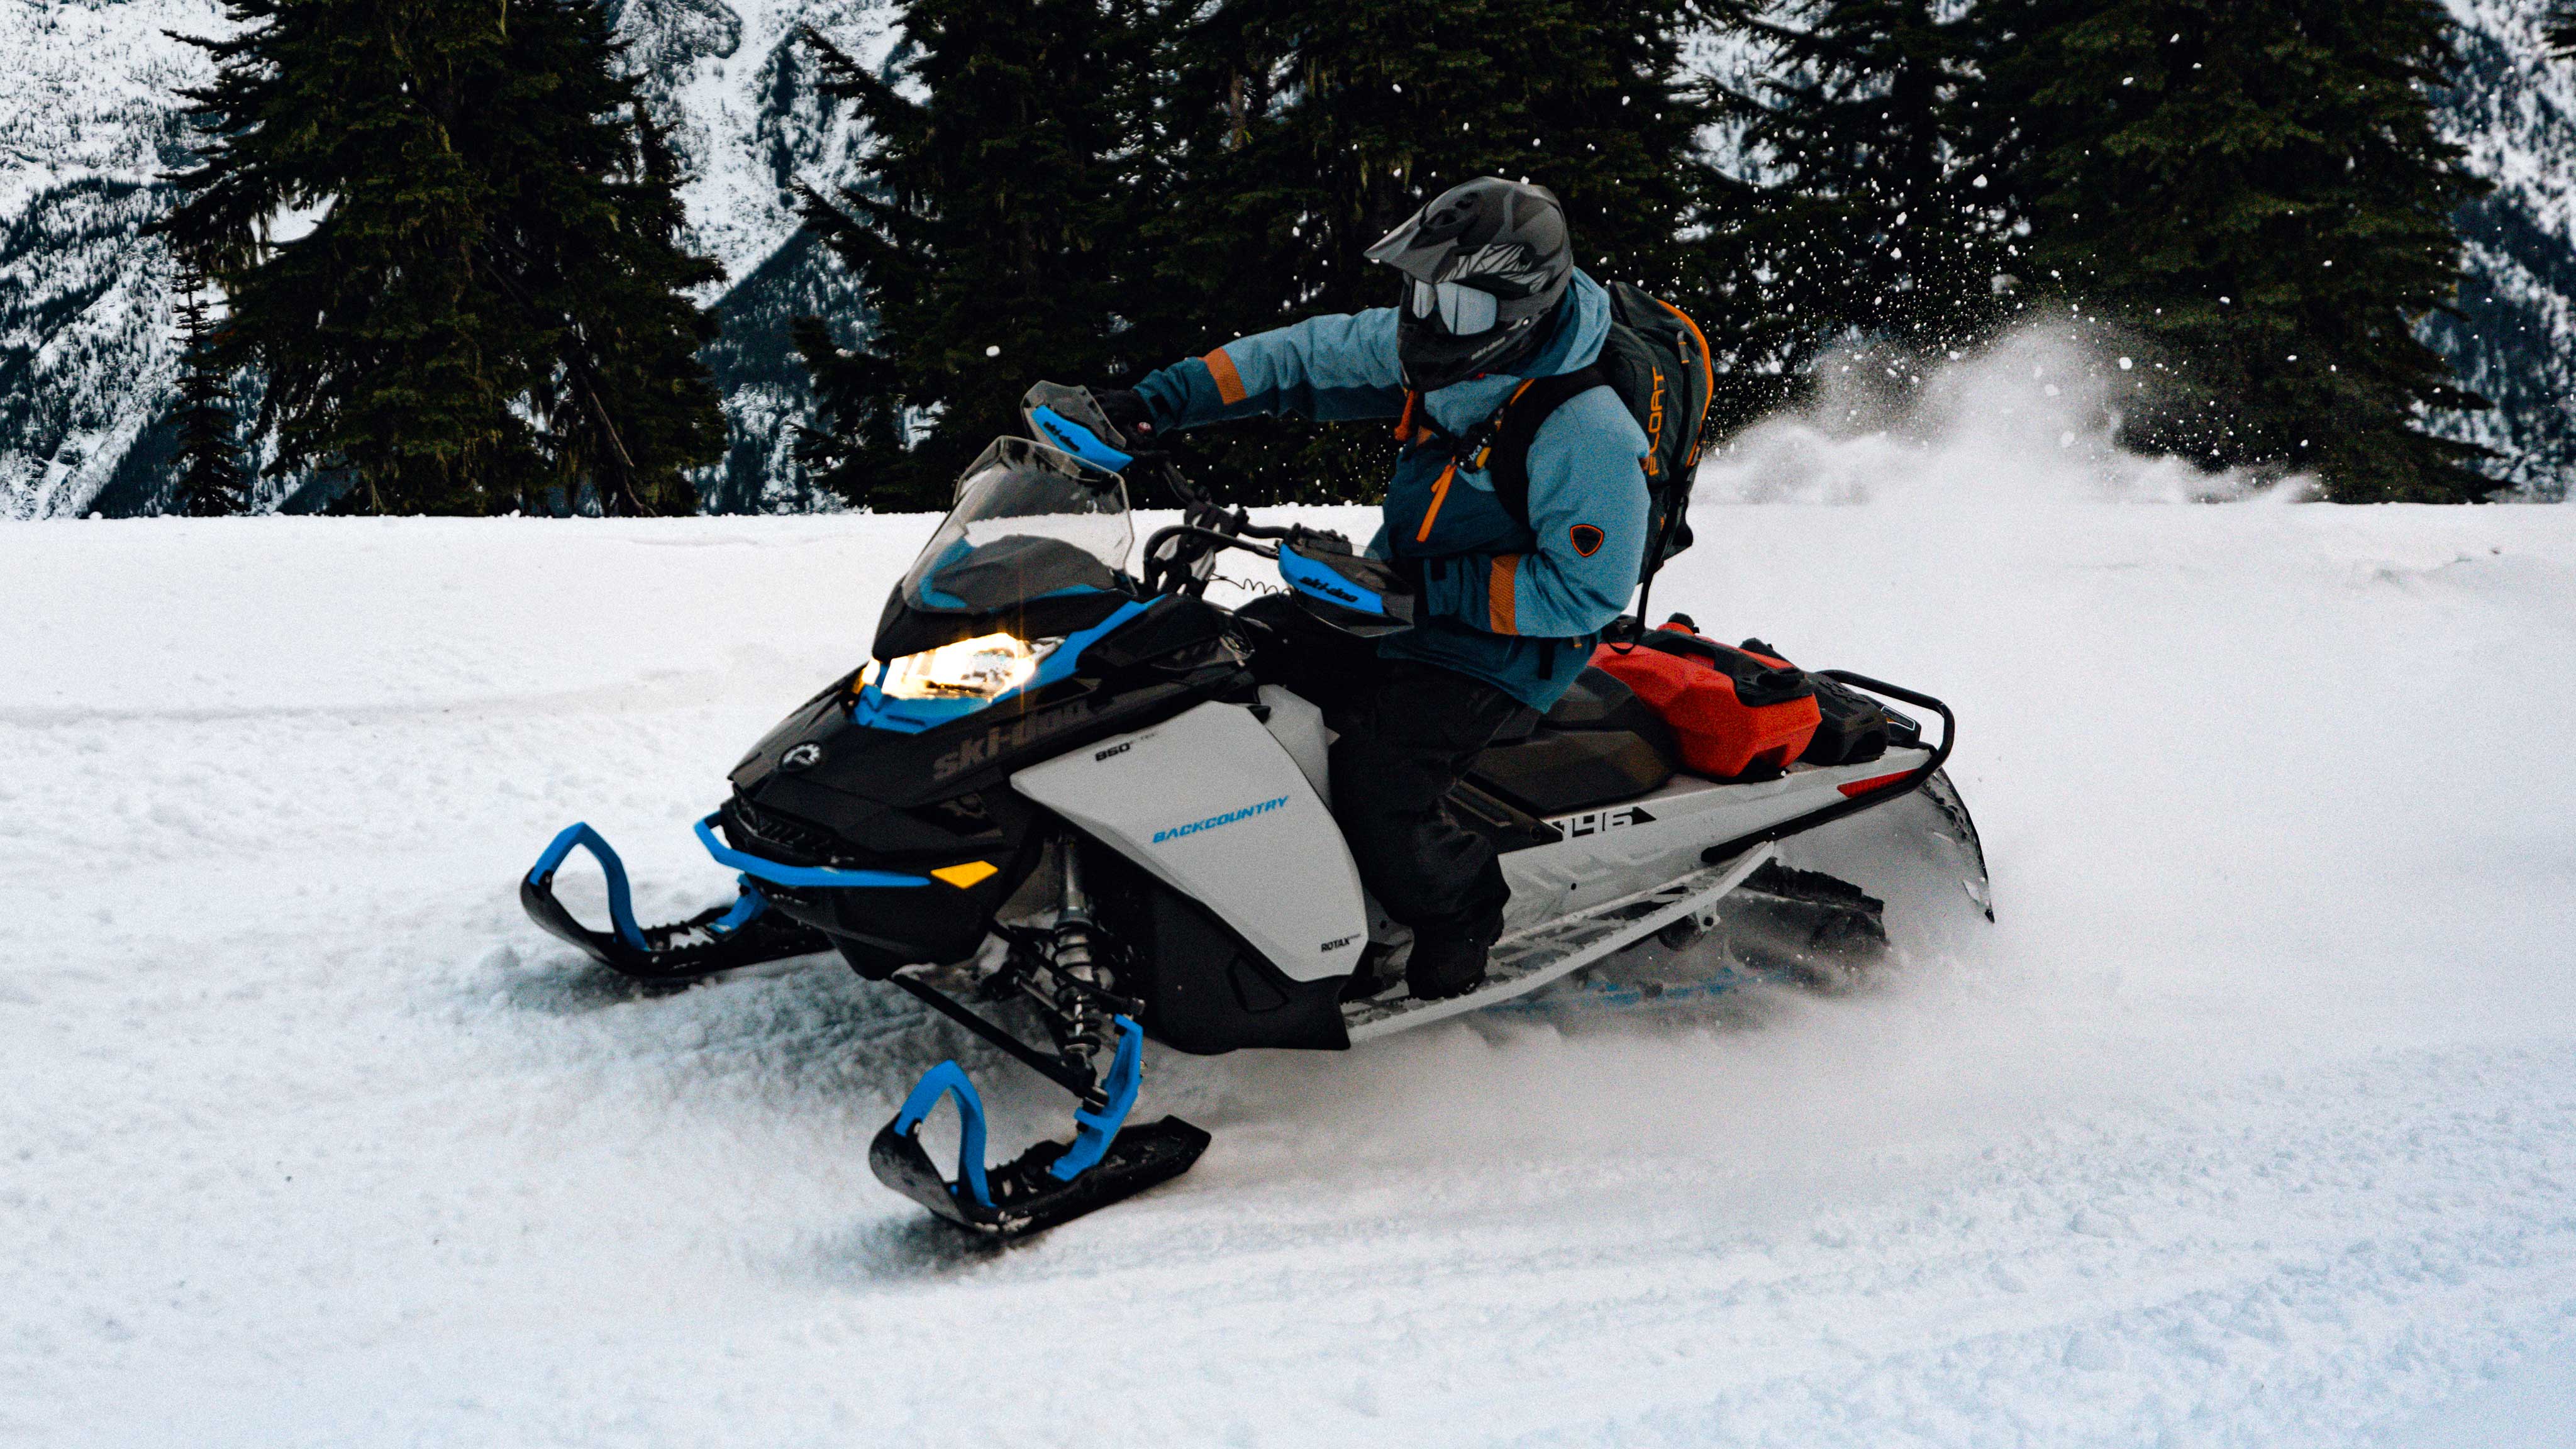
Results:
[1408, 731]
[1406, 737]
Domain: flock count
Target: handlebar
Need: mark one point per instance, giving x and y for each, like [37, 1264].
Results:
[1180, 558]
[1186, 570]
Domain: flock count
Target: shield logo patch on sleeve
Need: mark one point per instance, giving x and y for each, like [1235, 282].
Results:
[1587, 539]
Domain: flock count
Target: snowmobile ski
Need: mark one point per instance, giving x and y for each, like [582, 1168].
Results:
[1052, 1182]
[744, 932]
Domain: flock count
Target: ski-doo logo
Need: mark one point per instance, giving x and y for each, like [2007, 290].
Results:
[1593, 822]
[1120, 748]
[1001, 739]
[1213, 821]
[1331, 590]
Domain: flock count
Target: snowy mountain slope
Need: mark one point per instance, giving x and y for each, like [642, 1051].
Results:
[2252, 1121]
[89, 125]
[2515, 342]
[750, 127]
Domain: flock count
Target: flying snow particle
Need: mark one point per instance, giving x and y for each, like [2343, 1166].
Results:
[992, 352]
[2124, 364]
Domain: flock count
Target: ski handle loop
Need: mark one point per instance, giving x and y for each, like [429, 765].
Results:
[621, 902]
[939, 1081]
[1095, 1130]
[621, 896]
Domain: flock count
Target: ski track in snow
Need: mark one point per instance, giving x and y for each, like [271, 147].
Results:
[2252, 1122]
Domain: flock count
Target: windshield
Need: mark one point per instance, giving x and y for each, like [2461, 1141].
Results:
[1029, 522]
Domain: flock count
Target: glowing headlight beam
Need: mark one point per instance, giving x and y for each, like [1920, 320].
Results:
[985, 667]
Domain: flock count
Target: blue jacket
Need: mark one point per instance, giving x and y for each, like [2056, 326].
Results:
[1514, 606]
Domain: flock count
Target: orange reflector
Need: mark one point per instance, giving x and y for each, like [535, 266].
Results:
[962, 876]
[1859, 787]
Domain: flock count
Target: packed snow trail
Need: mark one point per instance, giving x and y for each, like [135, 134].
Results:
[2253, 1121]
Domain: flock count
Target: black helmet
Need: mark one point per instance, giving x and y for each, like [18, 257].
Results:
[1488, 262]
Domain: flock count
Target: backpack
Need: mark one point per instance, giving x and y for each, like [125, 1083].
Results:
[1657, 361]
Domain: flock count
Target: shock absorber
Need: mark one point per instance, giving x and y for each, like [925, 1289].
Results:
[1079, 997]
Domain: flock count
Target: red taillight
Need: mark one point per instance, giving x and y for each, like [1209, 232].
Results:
[1875, 782]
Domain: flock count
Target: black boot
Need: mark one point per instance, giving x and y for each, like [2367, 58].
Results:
[1448, 965]
[1372, 975]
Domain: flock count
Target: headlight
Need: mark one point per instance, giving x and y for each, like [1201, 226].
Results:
[980, 668]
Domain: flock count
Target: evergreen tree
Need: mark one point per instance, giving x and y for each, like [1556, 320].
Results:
[2254, 187]
[493, 299]
[989, 233]
[210, 479]
[1292, 134]
[1870, 218]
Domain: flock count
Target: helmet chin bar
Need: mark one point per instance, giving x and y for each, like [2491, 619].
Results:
[1434, 359]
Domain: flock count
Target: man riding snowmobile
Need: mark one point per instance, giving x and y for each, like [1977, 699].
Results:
[1511, 598]
[1072, 804]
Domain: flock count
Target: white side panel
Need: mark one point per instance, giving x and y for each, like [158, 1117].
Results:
[1299, 727]
[1216, 807]
[1627, 847]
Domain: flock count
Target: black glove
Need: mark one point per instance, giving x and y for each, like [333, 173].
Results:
[1128, 412]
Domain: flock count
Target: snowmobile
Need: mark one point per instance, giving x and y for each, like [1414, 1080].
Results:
[1063, 792]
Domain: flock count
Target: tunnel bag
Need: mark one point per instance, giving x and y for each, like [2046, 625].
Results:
[1733, 713]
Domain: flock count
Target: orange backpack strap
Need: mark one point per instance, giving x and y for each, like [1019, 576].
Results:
[1707, 380]
[1406, 429]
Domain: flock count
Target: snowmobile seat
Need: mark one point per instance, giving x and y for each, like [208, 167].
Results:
[1599, 744]
[1600, 700]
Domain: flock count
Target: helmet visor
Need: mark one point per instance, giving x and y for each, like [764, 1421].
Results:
[1463, 311]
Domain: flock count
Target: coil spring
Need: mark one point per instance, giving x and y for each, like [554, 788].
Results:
[1079, 999]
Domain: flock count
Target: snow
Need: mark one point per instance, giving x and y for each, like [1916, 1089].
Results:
[2251, 1122]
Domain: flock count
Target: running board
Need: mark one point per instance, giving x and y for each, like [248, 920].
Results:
[1527, 960]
